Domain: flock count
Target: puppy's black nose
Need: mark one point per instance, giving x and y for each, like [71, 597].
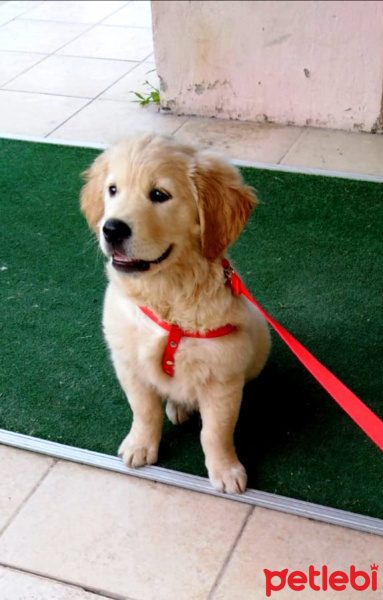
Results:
[115, 231]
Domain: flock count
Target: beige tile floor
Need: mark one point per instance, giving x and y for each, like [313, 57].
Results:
[69, 532]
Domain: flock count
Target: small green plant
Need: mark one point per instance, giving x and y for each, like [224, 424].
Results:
[152, 96]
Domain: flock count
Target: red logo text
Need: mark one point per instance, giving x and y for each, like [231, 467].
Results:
[321, 579]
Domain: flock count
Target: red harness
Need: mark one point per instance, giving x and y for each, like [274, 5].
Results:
[368, 421]
[175, 336]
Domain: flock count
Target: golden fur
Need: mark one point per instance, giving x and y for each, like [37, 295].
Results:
[209, 207]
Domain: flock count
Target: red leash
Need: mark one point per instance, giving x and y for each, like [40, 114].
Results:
[355, 408]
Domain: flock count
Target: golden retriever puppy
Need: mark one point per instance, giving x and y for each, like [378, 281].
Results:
[165, 213]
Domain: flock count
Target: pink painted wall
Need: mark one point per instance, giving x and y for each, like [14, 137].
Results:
[316, 63]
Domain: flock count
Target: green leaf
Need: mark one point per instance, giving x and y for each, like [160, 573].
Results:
[140, 96]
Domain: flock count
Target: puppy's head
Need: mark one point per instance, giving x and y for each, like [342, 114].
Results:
[152, 200]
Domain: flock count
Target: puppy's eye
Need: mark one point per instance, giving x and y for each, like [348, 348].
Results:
[159, 196]
[112, 190]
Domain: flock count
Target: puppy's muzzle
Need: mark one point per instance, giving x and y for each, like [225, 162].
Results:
[116, 231]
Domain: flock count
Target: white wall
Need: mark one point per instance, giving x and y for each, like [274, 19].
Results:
[316, 63]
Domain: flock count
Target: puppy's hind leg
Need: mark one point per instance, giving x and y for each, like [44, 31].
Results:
[140, 447]
[177, 413]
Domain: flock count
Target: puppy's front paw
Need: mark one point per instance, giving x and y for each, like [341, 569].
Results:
[230, 479]
[176, 413]
[137, 453]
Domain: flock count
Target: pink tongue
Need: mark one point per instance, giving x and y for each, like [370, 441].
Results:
[122, 258]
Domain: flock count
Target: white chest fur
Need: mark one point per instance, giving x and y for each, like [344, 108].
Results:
[139, 343]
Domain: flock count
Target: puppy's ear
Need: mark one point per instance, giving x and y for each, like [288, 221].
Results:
[91, 197]
[224, 204]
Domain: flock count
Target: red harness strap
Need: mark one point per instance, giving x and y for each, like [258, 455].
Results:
[175, 336]
[368, 421]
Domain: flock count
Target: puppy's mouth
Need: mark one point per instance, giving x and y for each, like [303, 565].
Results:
[134, 265]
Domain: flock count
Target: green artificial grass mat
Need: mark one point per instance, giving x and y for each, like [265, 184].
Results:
[312, 256]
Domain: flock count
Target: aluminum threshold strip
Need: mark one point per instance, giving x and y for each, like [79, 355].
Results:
[193, 483]
[237, 162]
